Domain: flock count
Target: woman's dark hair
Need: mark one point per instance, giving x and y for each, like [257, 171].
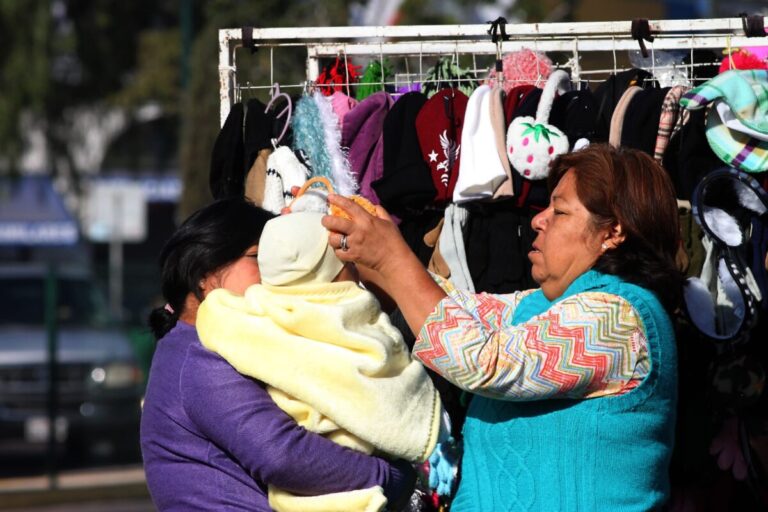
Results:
[208, 240]
[627, 187]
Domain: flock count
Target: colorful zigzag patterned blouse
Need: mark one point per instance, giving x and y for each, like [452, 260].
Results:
[589, 345]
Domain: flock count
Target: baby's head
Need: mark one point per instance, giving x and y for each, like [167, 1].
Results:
[294, 250]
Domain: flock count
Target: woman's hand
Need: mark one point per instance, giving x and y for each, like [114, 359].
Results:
[375, 243]
[371, 241]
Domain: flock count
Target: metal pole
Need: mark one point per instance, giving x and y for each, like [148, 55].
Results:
[116, 261]
[51, 325]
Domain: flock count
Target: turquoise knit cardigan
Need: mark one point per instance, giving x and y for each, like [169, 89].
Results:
[609, 453]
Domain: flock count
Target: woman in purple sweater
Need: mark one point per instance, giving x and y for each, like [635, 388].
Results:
[213, 439]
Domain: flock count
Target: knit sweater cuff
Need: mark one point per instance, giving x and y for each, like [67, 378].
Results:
[400, 484]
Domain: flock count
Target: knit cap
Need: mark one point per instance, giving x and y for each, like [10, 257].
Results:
[363, 135]
[284, 171]
[406, 185]
[439, 125]
[294, 250]
[342, 104]
[226, 177]
[481, 169]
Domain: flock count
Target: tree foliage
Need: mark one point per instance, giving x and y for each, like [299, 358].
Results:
[61, 55]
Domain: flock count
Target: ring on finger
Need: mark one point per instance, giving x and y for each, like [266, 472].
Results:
[344, 246]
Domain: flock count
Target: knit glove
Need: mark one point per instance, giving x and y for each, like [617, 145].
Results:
[443, 462]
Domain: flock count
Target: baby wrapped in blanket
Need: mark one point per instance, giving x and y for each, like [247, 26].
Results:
[328, 354]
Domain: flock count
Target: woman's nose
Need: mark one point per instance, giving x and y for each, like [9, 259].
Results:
[539, 221]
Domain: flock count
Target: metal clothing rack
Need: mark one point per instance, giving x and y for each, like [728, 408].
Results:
[572, 43]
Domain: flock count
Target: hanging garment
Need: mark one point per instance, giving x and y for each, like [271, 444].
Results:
[532, 193]
[608, 94]
[342, 104]
[532, 143]
[316, 135]
[513, 99]
[617, 118]
[406, 183]
[258, 133]
[256, 179]
[741, 59]
[575, 113]
[498, 239]
[342, 178]
[499, 127]
[227, 174]
[671, 119]
[284, 171]
[374, 77]
[737, 126]
[641, 120]
[691, 236]
[337, 77]
[688, 157]
[309, 136]
[439, 126]
[521, 67]
[258, 130]
[452, 247]
[759, 243]
[447, 74]
[413, 228]
[437, 264]
[481, 171]
[363, 136]
[722, 301]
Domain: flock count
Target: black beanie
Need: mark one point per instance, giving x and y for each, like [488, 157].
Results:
[641, 119]
[406, 185]
[257, 133]
[227, 175]
[575, 113]
[608, 94]
[688, 157]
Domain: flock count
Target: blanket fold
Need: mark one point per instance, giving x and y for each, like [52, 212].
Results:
[332, 360]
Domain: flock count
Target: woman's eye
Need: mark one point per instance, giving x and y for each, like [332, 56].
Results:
[256, 255]
[559, 212]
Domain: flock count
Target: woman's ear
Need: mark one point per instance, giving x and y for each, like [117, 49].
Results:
[614, 237]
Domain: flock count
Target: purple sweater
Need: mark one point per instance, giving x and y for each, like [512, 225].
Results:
[213, 439]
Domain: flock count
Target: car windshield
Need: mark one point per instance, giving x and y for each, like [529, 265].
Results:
[22, 301]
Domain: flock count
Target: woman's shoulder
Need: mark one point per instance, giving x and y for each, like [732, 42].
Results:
[611, 288]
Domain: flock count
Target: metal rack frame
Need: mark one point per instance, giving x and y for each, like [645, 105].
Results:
[437, 40]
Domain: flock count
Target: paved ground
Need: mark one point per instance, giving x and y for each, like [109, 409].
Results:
[112, 489]
[142, 505]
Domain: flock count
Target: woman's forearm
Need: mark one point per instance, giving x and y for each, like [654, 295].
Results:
[411, 287]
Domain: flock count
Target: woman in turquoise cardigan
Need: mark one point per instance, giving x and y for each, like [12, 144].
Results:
[574, 382]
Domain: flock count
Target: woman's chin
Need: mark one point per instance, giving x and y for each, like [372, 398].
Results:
[537, 275]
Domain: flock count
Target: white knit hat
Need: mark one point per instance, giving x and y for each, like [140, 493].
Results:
[481, 171]
[294, 249]
[284, 170]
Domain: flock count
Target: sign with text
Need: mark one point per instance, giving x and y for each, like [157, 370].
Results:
[115, 211]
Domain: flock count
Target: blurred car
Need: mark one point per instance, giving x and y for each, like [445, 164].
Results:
[99, 382]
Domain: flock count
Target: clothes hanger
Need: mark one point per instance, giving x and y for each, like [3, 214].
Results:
[347, 77]
[275, 93]
[499, 82]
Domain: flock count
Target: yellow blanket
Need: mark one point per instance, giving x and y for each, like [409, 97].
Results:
[333, 361]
